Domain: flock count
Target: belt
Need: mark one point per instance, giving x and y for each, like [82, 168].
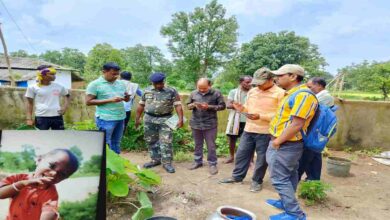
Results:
[155, 115]
[273, 138]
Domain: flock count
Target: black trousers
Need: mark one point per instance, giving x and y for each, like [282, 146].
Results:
[46, 123]
[311, 164]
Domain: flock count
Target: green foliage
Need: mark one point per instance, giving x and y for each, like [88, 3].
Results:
[313, 191]
[146, 209]
[182, 140]
[183, 156]
[119, 182]
[67, 57]
[22, 53]
[370, 151]
[368, 77]
[201, 40]
[92, 166]
[222, 145]
[81, 210]
[143, 60]
[273, 50]
[82, 126]
[23, 161]
[133, 139]
[97, 57]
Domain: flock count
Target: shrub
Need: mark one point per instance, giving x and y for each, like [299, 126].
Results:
[313, 191]
[81, 210]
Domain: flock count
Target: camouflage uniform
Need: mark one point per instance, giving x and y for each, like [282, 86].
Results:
[158, 108]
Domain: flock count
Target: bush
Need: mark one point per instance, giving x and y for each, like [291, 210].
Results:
[133, 139]
[313, 191]
[81, 210]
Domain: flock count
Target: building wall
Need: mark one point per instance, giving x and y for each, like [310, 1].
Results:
[362, 124]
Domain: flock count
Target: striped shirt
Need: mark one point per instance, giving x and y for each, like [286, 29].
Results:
[102, 89]
[304, 107]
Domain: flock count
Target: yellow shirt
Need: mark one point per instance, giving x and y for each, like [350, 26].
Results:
[304, 107]
[264, 103]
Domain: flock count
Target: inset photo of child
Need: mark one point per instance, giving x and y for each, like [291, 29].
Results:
[50, 174]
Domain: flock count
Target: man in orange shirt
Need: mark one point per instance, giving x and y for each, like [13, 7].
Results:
[34, 196]
[260, 106]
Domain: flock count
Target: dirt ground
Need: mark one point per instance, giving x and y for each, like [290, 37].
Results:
[194, 195]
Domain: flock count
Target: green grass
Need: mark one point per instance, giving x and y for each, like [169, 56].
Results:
[358, 95]
[181, 156]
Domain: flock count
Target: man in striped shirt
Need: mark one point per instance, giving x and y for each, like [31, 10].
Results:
[286, 145]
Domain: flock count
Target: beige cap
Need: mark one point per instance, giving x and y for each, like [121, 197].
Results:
[261, 76]
[290, 68]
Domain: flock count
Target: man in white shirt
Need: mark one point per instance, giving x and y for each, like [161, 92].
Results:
[45, 96]
[133, 90]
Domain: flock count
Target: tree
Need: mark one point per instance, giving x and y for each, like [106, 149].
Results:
[202, 40]
[97, 57]
[143, 60]
[273, 50]
[78, 153]
[67, 57]
[93, 165]
[21, 53]
[73, 58]
[52, 56]
[369, 77]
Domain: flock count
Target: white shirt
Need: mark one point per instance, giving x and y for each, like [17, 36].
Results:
[325, 98]
[46, 98]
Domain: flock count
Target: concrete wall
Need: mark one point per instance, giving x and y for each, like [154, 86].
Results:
[361, 123]
[12, 107]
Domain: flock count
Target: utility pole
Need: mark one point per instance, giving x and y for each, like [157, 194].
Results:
[7, 58]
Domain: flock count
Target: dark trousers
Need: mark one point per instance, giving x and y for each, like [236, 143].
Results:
[127, 119]
[209, 136]
[311, 164]
[46, 123]
[249, 143]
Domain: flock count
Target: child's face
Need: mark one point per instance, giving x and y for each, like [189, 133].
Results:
[54, 166]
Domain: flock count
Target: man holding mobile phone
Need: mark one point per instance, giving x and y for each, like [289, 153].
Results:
[107, 93]
[260, 106]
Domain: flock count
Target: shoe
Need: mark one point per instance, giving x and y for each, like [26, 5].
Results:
[152, 163]
[255, 187]
[195, 166]
[285, 216]
[229, 180]
[275, 203]
[213, 169]
[169, 168]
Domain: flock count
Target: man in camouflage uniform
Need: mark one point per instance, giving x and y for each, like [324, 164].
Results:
[158, 102]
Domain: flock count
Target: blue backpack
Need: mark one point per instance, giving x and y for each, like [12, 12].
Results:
[322, 126]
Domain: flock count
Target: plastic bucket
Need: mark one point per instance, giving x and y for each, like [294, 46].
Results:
[223, 211]
[337, 166]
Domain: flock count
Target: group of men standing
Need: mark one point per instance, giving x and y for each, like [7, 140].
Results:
[268, 119]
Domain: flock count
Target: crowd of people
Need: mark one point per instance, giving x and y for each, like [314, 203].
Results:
[267, 111]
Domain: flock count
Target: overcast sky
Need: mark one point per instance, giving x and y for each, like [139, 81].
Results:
[346, 32]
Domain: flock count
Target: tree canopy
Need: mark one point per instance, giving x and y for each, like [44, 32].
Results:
[273, 50]
[202, 40]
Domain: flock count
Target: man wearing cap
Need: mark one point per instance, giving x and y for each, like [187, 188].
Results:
[46, 94]
[286, 146]
[158, 102]
[204, 103]
[133, 90]
[107, 93]
[260, 106]
[236, 121]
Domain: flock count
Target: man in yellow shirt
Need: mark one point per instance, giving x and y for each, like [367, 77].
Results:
[286, 145]
[260, 107]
